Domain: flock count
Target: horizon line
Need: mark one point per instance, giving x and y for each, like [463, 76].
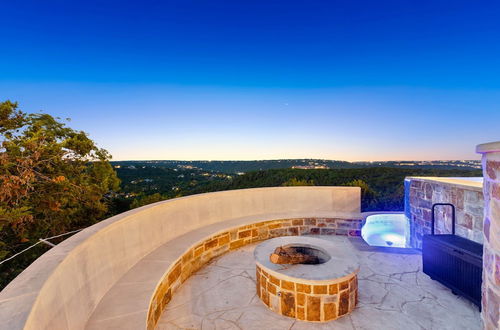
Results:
[276, 159]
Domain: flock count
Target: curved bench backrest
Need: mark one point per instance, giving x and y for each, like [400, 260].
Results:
[61, 288]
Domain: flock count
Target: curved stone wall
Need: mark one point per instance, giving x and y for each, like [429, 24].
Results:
[233, 238]
[61, 289]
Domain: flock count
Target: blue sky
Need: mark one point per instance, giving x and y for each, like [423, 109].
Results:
[351, 80]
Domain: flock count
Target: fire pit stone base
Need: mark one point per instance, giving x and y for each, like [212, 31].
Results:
[310, 292]
[320, 303]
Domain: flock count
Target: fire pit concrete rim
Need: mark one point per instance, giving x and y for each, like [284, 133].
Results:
[341, 265]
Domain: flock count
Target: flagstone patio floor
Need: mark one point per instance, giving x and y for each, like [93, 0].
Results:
[393, 294]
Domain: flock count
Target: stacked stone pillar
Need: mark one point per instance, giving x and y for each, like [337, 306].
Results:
[491, 254]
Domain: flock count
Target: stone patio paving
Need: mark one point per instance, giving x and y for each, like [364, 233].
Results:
[393, 294]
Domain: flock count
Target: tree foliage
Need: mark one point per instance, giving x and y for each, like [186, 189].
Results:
[295, 182]
[382, 188]
[368, 195]
[52, 178]
[147, 199]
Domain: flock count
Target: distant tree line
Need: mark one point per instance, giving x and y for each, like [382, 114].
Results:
[238, 166]
[243, 166]
[382, 188]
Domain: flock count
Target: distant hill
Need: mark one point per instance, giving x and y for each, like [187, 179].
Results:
[243, 166]
[382, 186]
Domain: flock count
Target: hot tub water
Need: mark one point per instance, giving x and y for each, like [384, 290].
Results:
[387, 230]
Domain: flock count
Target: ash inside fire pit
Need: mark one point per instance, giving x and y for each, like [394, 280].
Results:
[298, 254]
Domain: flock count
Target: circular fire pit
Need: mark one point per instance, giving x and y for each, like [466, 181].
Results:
[307, 278]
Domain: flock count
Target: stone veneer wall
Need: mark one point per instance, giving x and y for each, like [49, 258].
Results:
[491, 253]
[204, 251]
[317, 303]
[421, 193]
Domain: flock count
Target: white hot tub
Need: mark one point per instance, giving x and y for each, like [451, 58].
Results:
[388, 230]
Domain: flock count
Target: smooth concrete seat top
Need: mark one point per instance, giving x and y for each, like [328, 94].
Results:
[342, 261]
[125, 306]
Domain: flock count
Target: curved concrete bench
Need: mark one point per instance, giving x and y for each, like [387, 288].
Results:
[74, 284]
[140, 296]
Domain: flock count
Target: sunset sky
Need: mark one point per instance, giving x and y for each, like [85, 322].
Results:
[348, 80]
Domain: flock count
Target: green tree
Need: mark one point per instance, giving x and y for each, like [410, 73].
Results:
[147, 199]
[53, 179]
[368, 195]
[296, 182]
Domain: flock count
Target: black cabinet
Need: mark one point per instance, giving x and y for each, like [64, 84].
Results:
[454, 261]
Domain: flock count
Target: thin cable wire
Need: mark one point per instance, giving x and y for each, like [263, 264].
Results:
[69, 232]
[15, 255]
[29, 247]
